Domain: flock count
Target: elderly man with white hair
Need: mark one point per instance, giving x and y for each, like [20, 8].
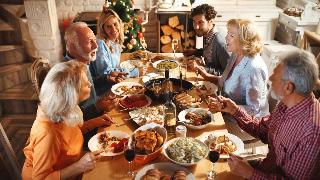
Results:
[81, 45]
[292, 130]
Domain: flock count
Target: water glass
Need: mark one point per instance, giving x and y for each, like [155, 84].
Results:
[183, 71]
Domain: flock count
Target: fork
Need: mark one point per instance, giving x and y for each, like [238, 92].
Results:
[118, 125]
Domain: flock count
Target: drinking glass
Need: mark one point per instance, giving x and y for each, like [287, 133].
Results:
[156, 88]
[174, 45]
[197, 81]
[183, 70]
[213, 157]
[129, 154]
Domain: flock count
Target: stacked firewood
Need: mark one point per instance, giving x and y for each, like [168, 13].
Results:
[175, 30]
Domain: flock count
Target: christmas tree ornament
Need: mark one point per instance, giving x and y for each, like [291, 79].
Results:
[133, 41]
[130, 46]
[140, 35]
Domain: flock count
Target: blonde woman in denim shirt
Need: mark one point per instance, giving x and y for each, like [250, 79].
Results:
[245, 77]
[109, 39]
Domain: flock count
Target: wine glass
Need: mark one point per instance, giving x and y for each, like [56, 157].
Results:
[174, 45]
[129, 154]
[156, 88]
[197, 80]
[213, 157]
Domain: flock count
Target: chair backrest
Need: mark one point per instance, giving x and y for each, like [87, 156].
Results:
[9, 158]
[39, 69]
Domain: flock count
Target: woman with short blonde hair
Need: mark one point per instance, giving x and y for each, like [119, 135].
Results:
[245, 78]
[250, 39]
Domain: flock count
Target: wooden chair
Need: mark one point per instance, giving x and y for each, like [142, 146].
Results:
[8, 156]
[39, 69]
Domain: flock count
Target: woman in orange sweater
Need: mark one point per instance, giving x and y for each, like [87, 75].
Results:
[55, 144]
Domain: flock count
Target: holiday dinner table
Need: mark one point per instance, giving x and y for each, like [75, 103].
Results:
[116, 167]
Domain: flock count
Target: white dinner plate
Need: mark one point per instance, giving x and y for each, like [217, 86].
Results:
[235, 139]
[131, 64]
[116, 88]
[182, 117]
[94, 144]
[165, 167]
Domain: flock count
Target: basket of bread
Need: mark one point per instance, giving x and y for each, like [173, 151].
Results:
[188, 99]
[147, 141]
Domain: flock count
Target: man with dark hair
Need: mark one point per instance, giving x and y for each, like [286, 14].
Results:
[292, 130]
[214, 53]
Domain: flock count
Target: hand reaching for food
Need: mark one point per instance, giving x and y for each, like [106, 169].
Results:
[221, 103]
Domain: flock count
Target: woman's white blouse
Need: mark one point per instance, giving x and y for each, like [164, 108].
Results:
[247, 85]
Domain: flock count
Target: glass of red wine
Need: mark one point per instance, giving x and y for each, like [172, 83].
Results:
[213, 157]
[129, 154]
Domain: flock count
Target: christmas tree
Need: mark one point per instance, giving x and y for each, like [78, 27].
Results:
[133, 30]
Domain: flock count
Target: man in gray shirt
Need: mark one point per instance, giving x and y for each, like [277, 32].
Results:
[214, 53]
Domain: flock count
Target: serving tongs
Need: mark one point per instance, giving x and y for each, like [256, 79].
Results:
[181, 88]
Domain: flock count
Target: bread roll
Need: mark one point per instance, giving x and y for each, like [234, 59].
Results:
[173, 21]
[165, 39]
[152, 174]
[179, 175]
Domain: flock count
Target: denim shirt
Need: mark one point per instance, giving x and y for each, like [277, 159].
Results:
[247, 85]
[105, 63]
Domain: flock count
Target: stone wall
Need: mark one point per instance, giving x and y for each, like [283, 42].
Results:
[68, 9]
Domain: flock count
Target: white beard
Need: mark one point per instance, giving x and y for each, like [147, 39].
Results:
[90, 56]
[275, 96]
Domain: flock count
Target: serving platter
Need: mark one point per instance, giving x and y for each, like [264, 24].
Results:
[165, 167]
[135, 101]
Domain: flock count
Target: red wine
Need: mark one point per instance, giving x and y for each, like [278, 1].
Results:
[129, 154]
[214, 156]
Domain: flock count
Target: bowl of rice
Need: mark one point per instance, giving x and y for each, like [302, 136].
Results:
[185, 151]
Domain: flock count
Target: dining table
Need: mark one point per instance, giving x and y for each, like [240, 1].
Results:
[116, 167]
